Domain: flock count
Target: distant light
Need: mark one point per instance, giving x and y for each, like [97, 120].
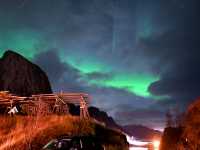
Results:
[161, 129]
[133, 141]
[156, 144]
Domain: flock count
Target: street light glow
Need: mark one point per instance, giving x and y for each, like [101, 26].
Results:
[156, 144]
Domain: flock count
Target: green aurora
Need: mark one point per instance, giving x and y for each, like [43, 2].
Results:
[26, 42]
[135, 83]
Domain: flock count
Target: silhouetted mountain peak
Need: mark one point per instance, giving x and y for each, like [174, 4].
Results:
[19, 76]
[9, 53]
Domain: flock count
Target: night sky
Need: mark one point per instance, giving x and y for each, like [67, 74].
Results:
[136, 58]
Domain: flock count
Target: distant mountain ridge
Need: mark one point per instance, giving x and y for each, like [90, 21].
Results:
[141, 132]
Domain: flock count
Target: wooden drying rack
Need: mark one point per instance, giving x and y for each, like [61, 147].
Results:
[44, 104]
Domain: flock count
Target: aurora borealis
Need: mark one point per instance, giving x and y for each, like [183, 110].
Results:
[128, 54]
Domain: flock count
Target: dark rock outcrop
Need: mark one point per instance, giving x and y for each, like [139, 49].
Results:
[97, 114]
[21, 77]
[103, 117]
[142, 132]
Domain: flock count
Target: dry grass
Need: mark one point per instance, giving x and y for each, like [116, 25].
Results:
[30, 133]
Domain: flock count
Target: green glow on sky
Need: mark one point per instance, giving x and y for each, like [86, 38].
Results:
[86, 67]
[25, 42]
[84, 63]
[136, 83]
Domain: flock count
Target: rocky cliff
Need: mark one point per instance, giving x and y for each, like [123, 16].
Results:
[21, 77]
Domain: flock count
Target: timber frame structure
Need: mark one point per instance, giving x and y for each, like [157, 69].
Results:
[45, 104]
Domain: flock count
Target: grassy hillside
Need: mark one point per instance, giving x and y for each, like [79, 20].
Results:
[31, 133]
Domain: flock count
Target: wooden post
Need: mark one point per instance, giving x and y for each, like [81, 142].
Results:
[60, 107]
[84, 114]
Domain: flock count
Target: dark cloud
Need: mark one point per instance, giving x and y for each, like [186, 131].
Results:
[98, 76]
[177, 52]
[50, 62]
[152, 118]
[62, 75]
[111, 99]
